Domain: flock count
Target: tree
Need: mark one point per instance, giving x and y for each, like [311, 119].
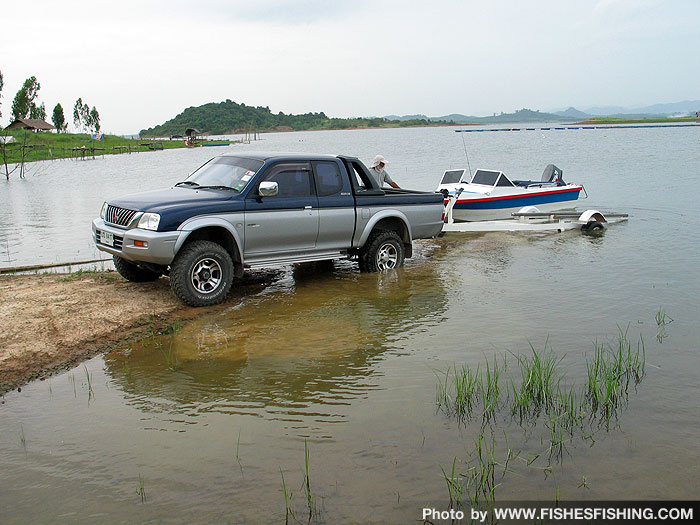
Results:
[85, 118]
[23, 104]
[2, 83]
[59, 120]
[95, 119]
[38, 112]
[77, 113]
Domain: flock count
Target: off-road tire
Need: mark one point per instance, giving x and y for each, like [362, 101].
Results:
[384, 250]
[201, 274]
[132, 272]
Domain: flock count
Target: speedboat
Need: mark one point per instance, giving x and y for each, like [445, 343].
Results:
[490, 195]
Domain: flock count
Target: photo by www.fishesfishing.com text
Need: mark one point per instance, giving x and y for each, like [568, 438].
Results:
[569, 512]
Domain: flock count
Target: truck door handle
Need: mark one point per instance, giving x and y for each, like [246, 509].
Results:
[307, 207]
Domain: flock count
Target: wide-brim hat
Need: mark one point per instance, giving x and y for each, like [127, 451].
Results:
[378, 160]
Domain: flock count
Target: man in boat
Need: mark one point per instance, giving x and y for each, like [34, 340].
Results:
[379, 173]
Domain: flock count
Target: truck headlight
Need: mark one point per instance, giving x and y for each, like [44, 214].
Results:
[103, 211]
[149, 221]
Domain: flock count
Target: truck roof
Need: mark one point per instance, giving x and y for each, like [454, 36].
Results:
[276, 155]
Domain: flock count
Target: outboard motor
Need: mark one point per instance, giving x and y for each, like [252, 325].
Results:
[553, 174]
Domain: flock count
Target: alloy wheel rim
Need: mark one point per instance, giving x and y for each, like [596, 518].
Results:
[387, 256]
[206, 275]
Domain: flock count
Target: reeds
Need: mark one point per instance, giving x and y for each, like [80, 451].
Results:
[287, 500]
[310, 498]
[536, 391]
[662, 319]
[88, 378]
[141, 488]
[477, 483]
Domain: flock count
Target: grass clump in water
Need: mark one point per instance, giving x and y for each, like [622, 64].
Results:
[537, 393]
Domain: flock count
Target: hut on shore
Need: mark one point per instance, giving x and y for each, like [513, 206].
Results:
[33, 124]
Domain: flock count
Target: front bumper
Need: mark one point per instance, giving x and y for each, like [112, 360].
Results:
[159, 247]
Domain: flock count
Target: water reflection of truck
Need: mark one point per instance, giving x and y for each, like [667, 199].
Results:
[258, 210]
[312, 340]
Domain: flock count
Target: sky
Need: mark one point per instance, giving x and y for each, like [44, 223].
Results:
[142, 62]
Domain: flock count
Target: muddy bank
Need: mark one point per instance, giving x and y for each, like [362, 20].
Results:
[53, 321]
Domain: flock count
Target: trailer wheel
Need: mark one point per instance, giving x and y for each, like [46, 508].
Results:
[384, 250]
[202, 273]
[593, 227]
[132, 272]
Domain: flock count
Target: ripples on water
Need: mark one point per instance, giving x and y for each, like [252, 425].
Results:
[349, 361]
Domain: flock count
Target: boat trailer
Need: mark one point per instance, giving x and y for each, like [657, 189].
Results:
[531, 219]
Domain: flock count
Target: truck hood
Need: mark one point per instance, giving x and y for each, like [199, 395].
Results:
[177, 204]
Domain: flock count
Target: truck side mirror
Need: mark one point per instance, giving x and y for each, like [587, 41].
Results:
[268, 189]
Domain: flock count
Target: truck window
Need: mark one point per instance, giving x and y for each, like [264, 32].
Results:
[294, 180]
[328, 179]
[361, 183]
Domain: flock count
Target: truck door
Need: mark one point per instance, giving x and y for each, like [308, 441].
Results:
[336, 206]
[286, 222]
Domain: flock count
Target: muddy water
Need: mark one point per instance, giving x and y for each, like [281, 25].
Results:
[211, 416]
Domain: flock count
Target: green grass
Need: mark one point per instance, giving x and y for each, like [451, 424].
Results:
[307, 482]
[109, 275]
[47, 146]
[287, 500]
[537, 390]
[88, 379]
[141, 488]
[623, 120]
[171, 361]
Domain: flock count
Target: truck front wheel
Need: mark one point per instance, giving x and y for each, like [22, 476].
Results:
[132, 272]
[201, 274]
[384, 250]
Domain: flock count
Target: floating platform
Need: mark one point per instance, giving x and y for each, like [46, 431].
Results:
[564, 128]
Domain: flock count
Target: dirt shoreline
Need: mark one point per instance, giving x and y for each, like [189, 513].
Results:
[51, 322]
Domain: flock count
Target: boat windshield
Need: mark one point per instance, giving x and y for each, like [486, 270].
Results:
[485, 177]
[504, 181]
[452, 177]
[231, 172]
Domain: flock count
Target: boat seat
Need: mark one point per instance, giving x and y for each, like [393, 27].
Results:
[539, 184]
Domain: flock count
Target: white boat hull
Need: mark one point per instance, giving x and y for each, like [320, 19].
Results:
[498, 209]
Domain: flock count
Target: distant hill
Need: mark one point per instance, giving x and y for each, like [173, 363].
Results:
[228, 117]
[573, 113]
[457, 118]
[406, 117]
[522, 115]
[687, 107]
[221, 118]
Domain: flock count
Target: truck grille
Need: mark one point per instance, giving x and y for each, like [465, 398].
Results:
[119, 216]
[118, 241]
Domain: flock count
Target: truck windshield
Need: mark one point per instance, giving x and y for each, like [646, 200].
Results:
[229, 172]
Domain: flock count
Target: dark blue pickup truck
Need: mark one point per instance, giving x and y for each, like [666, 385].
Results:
[256, 210]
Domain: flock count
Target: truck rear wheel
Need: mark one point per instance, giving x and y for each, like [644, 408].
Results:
[132, 272]
[384, 250]
[201, 274]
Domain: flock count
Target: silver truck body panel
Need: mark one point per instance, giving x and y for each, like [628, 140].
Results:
[159, 249]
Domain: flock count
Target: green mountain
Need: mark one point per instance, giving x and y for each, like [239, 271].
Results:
[222, 118]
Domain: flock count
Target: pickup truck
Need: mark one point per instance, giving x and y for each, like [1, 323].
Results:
[256, 210]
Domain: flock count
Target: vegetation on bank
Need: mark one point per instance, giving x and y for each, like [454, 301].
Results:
[221, 118]
[29, 146]
[623, 120]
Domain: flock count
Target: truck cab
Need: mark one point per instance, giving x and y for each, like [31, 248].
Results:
[257, 210]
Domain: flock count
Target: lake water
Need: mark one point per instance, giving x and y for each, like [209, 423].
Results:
[205, 422]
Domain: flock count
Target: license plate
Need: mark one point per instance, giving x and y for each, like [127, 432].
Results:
[107, 238]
